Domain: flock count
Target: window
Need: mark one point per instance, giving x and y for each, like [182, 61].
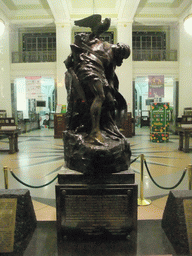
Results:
[39, 42]
[149, 40]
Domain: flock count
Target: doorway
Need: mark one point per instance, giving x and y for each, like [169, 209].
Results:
[35, 102]
[142, 98]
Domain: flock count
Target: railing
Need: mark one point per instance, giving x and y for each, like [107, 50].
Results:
[50, 56]
[154, 55]
[33, 56]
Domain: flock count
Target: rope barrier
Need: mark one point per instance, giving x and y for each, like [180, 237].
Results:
[135, 159]
[178, 183]
[190, 176]
[142, 160]
[30, 186]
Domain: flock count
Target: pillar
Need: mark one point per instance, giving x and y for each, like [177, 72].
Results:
[185, 69]
[63, 50]
[5, 63]
[124, 73]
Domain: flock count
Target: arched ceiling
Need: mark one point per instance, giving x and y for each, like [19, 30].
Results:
[44, 12]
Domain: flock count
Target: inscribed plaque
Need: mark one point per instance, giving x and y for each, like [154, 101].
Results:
[7, 223]
[188, 217]
[90, 211]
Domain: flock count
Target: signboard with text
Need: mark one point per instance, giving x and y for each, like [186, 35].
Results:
[33, 87]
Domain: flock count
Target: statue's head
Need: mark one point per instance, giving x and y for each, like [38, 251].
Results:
[81, 37]
[121, 51]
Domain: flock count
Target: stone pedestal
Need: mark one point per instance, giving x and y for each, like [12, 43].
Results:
[25, 219]
[102, 206]
[177, 219]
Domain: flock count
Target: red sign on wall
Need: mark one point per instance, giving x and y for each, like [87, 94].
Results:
[156, 86]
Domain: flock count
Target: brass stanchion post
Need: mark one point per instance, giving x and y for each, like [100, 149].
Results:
[142, 200]
[190, 176]
[5, 169]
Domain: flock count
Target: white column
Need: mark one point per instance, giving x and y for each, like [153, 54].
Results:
[185, 70]
[63, 50]
[124, 72]
[5, 62]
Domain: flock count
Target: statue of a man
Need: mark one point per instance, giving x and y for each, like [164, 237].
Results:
[91, 66]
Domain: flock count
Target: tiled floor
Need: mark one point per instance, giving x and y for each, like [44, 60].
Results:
[40, 159]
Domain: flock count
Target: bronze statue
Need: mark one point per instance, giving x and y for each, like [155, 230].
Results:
[92, 66]
[92, 85]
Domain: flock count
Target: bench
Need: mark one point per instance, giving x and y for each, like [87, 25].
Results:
[184, 130]
[9, 129]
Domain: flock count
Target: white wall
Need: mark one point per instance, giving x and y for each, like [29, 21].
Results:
[5, 82]
[167, 68]
[33, 69]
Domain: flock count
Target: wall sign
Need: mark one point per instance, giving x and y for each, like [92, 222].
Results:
[156, 86]
[33, 86]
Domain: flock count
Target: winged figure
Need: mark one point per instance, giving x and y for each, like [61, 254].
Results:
[95, 23]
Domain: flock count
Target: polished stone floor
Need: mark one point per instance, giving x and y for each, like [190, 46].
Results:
[40, 159]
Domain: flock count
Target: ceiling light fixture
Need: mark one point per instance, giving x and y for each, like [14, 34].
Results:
[2, 27]
[188, 24]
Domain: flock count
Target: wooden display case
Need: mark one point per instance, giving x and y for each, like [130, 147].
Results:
[128, 126]
[59, 125]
